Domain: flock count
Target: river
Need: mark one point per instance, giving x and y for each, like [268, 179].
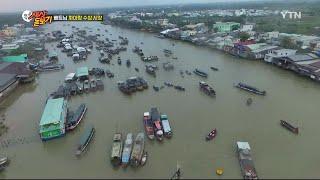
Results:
[277, 153]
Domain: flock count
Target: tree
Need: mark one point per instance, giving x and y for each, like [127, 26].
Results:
[244, 36]
[287, 42]
[262, 41]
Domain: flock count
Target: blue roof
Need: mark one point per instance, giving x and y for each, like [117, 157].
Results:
[52, 112]
[82, 71]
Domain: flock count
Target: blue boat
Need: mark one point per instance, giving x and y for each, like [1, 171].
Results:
[127, 150]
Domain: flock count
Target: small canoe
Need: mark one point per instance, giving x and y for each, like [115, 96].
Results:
[144, 158]
[249, 101]
[211, 135]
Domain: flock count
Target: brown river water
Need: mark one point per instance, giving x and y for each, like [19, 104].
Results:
[277, 153]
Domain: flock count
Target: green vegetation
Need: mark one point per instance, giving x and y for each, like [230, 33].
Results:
[244, 36]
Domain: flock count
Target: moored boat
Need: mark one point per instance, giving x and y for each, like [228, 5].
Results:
[3, 162]
[85, 139]
[148, 125]
[250, 89]
[128, 62]
[76, 118]
[155, 116]
[211, 135]
[137, 151]
[128, 143]
[206, 88]
[200, 73]
[144, 158]
[289, 127]
[166, 125]
[116, 149]
[214, 68]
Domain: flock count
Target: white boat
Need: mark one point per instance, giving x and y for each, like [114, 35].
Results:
[70, 77]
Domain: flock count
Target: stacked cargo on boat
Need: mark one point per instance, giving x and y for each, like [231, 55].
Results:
[246, 163]
[52, 123]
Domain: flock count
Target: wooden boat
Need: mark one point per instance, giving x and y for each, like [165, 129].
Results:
[128, 63]
[156, 88]
[136, 69]
[119, 61]
[249, 101]
[3, 162]
[206, 88]
[116, 149]
[155, 116]
[180, 88]
[214, 68]
[76, 118]
[168, 84]
[127, 149]
[100, 84]
[93, 85]
[86, 86]
[211, 135]
[166, 126]
[137, 151]
[144, 158]
[250, 89]
[200, 73]
[85, 139]
[289, 127]
[147, 122]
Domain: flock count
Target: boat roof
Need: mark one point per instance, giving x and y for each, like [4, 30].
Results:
[52, 112]
[117, 137]
[82, 71]
[243, 145]
[146, 114]
[163, 116]
[166, 126]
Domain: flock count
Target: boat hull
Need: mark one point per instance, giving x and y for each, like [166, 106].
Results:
[78, 121]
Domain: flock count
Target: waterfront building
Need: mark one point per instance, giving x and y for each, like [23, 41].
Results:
[8, 82]
[279, 53]
[52, 123]
[226, 26]
[9, 47]
[22, 58]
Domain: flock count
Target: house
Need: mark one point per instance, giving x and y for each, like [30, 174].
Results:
[256, 51]
[10, 31]
[8, 82]
[82, 73]
[162, 22]
[9, 47]
[291, 62]
[53, 119]
[247, 27]
[226, 26]
[279, 53]
[135, 19]
[22, 58]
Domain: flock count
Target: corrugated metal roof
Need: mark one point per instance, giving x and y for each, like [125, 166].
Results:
[52, 112]
[21, 58]
[5, 78]
[82, 71]
[300, 57]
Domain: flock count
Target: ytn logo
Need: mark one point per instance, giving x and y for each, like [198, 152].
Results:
[292, 15]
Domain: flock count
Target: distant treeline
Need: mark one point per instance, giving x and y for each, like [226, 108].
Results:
[11, 19]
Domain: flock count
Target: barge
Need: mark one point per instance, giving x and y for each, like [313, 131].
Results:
[200, 73]
[206, 88]
[147, 122]
[137, 151]
[76, 118]
[127, 149]
[246, 163]
[250, 89]
[116, 149]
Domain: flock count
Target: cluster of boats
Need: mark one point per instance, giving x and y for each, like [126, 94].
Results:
[156, 125]
[151, 69]
[130, 152]
[132, 84]
[138, 51]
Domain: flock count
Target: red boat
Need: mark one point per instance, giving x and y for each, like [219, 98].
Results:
[211, 135]
[148, 125]
[155, 118]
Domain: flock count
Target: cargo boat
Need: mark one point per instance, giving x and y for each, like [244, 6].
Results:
[211, 135]
[246, 163]
[127, 149]
[147, 122]
[206, 88]
[116, 149]
[166, 125]
[137, 151]
[289, 127]
[155, 118]
[200, 73]
[250, 89]
[85, 139]
[76, 118]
